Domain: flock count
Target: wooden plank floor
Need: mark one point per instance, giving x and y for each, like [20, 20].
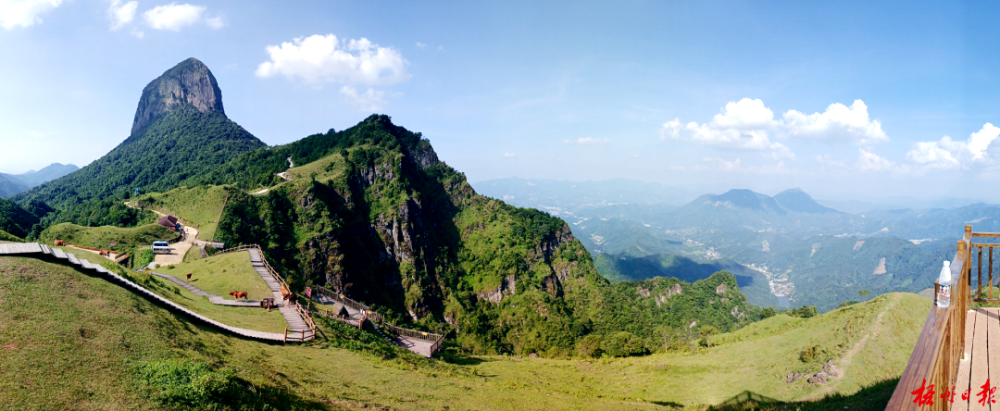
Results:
[983, 341]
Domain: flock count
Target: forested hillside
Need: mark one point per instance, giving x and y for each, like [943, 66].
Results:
[180, 132]
[373, 213]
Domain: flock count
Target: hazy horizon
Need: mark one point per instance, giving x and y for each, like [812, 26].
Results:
[857, 101]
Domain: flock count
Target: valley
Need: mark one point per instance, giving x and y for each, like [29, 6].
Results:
[790, 243]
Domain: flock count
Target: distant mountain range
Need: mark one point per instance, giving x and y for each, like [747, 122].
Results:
[787, 248]
[11, 184]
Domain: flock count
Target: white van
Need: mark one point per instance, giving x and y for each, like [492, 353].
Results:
[161, 247]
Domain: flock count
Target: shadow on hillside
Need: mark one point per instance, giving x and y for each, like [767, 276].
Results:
[872, 397]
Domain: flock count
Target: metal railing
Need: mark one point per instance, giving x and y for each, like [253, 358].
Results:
[941, 345]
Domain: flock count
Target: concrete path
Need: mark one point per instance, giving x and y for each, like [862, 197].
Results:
[180, 248]
[42, 251]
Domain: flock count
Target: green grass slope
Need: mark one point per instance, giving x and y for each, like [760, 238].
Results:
[221, 274]
[5, 236]
[101, 237]
[71, 340]
[199, 205]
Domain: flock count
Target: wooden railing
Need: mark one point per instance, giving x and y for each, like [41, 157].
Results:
[369, 314]
[379, 319]
[941, 344]
[305, 314]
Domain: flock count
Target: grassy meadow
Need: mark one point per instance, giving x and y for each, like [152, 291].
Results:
[72, 340]
[200, 205]
[221, 274]
[101, 237]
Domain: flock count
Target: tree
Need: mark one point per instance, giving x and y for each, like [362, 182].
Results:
[706, 332]
[864, 293]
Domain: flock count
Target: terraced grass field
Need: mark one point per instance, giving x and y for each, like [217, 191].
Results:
[199, 206]
[102, 237]
[75, 341]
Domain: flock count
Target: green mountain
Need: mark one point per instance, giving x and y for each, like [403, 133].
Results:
[797, 200]
[616, 268]
[373, 213]
[50, 172]
[180, 131]
[10, 185]
[14, 219]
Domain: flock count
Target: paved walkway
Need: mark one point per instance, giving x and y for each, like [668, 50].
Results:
[296, 324]
[42, 251]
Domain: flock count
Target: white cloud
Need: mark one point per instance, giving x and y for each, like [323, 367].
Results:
[718, 164]
[934, 154]
[24, 13]
[587, 141]
[980, 141]
[947, 153]
[121, 14]
[173, 16]
[869, 161]
[215, 22]
[671, 129]
[827, 160]
[512, 155]
[371, 100]
[742, 125]
[838, 124]
[421, 45]
[317, 59]
[749, 125]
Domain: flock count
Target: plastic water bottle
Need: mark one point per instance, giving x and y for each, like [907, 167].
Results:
[944, 286]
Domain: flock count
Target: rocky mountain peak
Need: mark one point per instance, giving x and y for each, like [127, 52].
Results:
[189, 83]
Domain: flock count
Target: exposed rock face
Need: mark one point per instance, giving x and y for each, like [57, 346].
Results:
[188, 83]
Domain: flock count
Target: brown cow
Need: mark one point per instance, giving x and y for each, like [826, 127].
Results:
[60, 243]
[241, 294]
[189, 276]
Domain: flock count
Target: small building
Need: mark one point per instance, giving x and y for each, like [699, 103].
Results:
[170, 222]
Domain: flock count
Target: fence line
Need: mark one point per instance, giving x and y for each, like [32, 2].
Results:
[379, 319]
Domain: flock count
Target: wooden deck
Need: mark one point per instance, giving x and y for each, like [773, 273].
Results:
[983, 328]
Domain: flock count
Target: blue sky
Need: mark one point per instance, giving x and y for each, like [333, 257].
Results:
[848, 100]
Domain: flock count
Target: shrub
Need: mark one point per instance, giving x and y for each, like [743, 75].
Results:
[191, 385]
[589, 346]
[623, 344]
[805, 311]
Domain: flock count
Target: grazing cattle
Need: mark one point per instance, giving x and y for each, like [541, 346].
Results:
[241, 294]
[189, 276]
[60, 243]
